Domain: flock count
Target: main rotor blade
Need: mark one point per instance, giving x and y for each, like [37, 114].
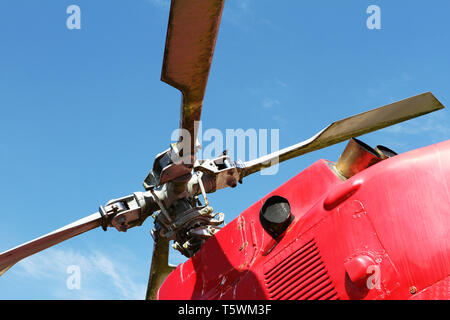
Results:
[190, 42]
[351, 127]
[160, 267]
[12, 256]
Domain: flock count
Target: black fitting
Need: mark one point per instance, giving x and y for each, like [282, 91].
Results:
[275, 215]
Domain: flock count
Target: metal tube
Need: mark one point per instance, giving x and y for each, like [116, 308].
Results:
[356, 157]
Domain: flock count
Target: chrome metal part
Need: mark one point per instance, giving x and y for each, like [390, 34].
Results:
[125, 213]
[225, 173]
[385, 152]
[356, 157]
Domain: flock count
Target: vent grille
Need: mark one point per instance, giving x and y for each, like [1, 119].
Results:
[301, 275]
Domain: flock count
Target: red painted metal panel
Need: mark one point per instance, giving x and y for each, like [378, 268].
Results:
[438, 291]
[395, 213]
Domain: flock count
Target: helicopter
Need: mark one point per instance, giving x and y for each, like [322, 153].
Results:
[281, 235]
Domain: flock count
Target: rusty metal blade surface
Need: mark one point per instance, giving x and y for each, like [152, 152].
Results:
[160, 267]
[351, 127]
[191, 37]
[12, 256]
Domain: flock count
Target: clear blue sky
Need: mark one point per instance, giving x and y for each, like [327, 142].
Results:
[83, 112]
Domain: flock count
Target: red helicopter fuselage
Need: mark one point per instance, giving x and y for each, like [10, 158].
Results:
[381, 234]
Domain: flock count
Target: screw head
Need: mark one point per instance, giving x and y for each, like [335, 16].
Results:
[412, 290]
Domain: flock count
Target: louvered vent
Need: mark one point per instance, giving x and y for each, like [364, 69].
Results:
[300, 275]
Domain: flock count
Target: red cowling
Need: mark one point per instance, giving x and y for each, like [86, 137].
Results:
[382, 234]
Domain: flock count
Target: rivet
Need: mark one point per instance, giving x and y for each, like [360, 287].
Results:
[412, 290]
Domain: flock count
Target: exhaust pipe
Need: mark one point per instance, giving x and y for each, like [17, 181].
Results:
[358, 156]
